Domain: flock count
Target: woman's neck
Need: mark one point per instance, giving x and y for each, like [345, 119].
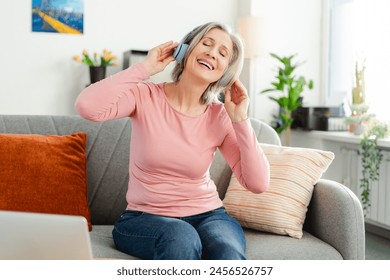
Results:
[185, 96]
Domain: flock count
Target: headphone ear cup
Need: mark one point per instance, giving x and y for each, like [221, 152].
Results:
[180, 52]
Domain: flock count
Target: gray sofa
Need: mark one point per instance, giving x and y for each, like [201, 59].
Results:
[333, 229]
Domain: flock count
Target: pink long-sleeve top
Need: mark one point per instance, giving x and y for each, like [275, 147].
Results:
[171, 153]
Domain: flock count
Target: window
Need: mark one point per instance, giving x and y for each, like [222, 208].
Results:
[359, 32]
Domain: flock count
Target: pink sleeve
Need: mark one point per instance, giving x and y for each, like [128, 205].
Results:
[246, 158]
[113, 97]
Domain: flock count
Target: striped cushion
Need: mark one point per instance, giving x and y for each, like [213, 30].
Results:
[282, 208]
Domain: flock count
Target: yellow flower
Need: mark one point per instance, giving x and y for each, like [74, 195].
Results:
[77, 58]
[104, 59]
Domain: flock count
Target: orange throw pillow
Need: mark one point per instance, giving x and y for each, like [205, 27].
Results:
[44, 174]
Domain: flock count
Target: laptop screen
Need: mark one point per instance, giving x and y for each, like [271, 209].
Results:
[28, 236]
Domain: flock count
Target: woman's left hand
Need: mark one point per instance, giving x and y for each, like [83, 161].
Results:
[237, 102]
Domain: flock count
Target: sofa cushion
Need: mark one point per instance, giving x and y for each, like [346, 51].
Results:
[44, 174]
[266, 246]
[282, 208]
[103, 246]
[260, 246]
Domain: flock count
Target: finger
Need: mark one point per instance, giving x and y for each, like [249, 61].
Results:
[234, 93]
[228, 95]
[239, 87]
[168, 60]
[167, 51]
[165, 56]
[165, 45]
[168, 47]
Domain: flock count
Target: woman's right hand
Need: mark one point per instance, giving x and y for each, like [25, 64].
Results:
[159, 57]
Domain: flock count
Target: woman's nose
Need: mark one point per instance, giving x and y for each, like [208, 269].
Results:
[212, 52]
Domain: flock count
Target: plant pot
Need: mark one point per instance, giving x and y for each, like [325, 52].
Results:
[97, 73]
[359, 129]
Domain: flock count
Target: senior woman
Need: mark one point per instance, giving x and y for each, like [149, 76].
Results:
[173, 207]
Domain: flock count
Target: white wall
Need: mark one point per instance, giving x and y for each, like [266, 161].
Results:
[292, 27]
[38, 75]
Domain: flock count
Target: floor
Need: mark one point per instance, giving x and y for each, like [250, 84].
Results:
[377, 247]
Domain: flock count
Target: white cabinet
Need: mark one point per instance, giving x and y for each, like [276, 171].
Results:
[380, 198]
[346, 168]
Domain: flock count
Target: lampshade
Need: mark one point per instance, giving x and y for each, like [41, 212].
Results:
[251, 29]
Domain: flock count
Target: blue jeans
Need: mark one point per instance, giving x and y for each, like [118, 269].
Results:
[212, 235]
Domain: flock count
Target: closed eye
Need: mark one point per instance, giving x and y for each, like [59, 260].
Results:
[222, 53]
[207, 42]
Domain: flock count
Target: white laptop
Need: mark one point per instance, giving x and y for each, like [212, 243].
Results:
[28, 236]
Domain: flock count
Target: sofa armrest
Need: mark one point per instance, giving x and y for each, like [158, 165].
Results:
[335, 216]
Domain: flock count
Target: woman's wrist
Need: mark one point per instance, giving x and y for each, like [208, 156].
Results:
[237, 119]
[148, 67]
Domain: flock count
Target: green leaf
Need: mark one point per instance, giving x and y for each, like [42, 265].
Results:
[267, 90]
[277, 57]
[278, 86]
[310, 85]
[87, 60]
[371, 158]
[283, 102]
[290, 86]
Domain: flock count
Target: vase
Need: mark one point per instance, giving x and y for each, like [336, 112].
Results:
[359, 129]
[97, 73]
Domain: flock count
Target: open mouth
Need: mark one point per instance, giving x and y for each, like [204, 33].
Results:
[206, 64]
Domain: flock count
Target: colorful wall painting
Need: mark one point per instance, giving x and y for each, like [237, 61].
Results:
[58, 16]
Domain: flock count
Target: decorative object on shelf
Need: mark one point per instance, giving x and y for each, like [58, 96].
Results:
[97, 73]
[359, 91]
[358, 121]
[97, 63]
[371, 158]
[291, 88]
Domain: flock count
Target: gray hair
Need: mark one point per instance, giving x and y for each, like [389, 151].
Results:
[232, 72]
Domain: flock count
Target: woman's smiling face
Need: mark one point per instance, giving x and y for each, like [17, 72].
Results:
[211, 56]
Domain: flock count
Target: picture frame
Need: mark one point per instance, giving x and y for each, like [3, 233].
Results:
[51, 16]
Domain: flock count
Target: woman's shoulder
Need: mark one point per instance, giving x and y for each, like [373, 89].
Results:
[151, 88]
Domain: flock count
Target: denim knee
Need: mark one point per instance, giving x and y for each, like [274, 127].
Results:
[178, 241]
[222, 236]
[155, 237]
[227, 249]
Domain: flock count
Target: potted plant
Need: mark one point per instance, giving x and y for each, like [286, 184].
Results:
[97, 63]
[359, 120]
[290, 87]
[371, 158]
